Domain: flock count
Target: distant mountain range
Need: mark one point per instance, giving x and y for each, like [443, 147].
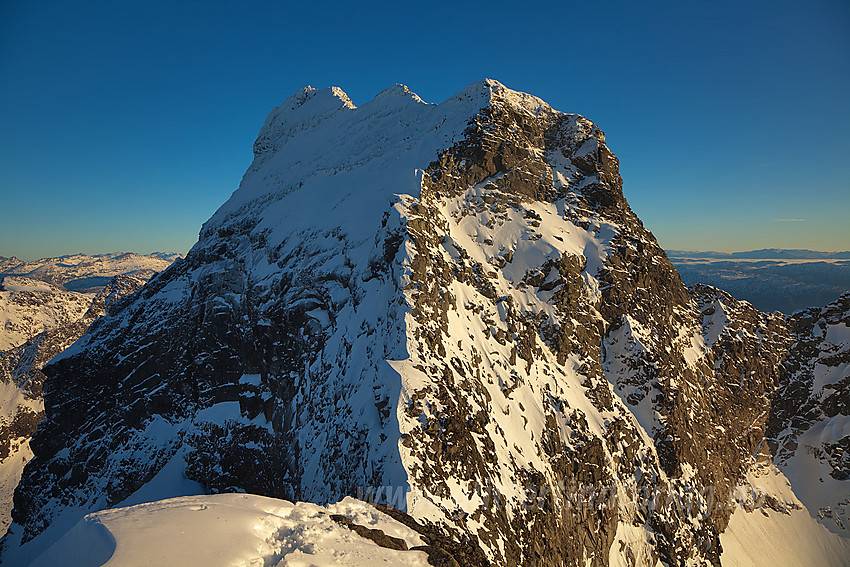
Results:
[763, 254]
[771, 279]
[83, 273]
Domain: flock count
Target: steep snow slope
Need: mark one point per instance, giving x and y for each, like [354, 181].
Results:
[771, 527]
[450, 308]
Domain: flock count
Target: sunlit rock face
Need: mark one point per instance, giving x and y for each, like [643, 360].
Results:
[449, 308]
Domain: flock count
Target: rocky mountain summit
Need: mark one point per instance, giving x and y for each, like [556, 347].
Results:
[452, 310]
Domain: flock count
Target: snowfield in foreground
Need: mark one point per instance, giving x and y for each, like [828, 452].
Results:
[233, 530]
[250, 530]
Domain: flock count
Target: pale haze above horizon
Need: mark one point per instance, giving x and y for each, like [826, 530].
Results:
[125, 126]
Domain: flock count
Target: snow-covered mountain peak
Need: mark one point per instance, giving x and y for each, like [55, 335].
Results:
[317, 99]
[492, 91]
[381, 147]
[399, 90]
[303, 110]
[449, 307]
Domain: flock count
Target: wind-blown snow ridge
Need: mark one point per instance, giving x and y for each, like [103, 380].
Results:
[233, 529]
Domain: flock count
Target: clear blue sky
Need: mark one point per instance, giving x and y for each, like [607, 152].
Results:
[124, 125]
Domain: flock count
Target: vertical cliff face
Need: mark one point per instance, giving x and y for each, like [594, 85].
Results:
[450, 308]
[574, 361]
[809, 428]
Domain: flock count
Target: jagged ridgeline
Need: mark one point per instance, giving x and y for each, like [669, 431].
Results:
[447, 307]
